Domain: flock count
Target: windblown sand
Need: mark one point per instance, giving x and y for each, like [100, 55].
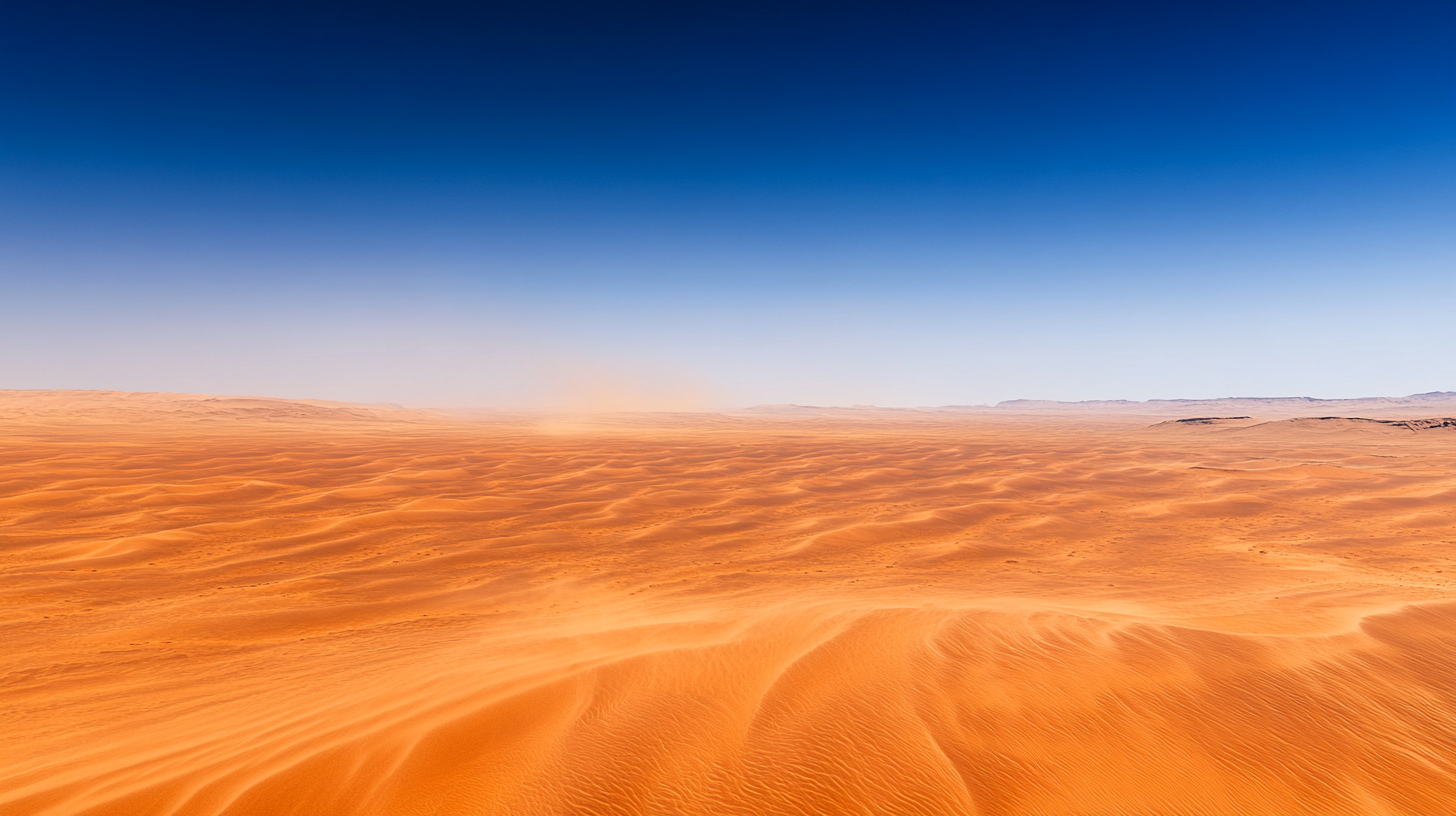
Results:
[262, 607]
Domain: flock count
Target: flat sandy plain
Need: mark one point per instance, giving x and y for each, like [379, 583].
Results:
[266, 607]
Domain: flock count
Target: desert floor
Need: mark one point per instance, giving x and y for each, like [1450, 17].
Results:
[264, 607]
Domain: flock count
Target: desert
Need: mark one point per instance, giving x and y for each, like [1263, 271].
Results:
[254, 606]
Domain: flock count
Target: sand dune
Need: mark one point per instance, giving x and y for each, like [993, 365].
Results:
[264, 607]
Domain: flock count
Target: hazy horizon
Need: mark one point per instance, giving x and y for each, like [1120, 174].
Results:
[1406, 401]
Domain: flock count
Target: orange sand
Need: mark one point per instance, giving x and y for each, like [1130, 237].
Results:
[263, 607]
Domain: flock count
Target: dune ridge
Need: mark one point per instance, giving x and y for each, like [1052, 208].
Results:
[217, 607]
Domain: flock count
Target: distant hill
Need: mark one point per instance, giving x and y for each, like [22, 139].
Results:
[1229, 408]
[130, 407]
[1264, 407]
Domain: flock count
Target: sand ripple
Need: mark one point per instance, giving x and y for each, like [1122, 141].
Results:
[250, 607]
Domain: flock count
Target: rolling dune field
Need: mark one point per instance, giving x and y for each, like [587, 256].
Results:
[236, 606]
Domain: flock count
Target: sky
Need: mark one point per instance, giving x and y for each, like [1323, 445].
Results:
[702, 205]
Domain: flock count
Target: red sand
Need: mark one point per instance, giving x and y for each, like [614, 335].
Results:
[264, 607]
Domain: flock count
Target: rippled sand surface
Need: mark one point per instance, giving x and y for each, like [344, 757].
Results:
[262, 607]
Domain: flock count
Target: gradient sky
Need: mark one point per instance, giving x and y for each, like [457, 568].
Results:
[673, 205]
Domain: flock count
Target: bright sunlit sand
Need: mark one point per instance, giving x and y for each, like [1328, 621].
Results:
[265, 607]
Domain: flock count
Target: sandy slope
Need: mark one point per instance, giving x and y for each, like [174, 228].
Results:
[266, 607]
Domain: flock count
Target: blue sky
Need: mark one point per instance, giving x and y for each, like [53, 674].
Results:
[676, 205]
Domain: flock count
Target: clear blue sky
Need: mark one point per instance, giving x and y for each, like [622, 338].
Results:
[722, 204]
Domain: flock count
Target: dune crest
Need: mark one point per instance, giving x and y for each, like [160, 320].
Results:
[219, 606]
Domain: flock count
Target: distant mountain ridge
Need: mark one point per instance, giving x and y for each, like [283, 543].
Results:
[1261, 407]
[1304, 402]
[1256, 406]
